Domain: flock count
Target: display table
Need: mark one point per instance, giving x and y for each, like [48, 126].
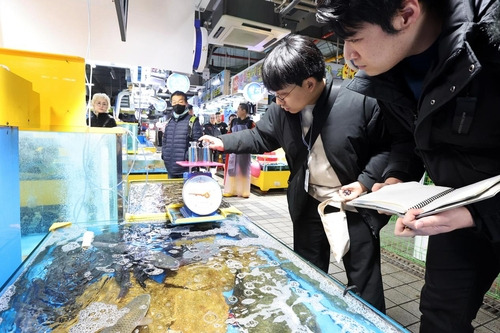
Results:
[228, 276]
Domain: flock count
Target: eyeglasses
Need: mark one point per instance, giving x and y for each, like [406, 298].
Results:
[282, 98]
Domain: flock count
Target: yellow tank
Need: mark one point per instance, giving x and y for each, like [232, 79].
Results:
[55, 100]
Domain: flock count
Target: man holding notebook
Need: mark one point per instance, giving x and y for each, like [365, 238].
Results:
[332, 137]
[434, 67]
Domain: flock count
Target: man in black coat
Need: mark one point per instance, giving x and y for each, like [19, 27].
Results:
[211, 128]
[327, 149]
[180, 130]
[434, 66]
[222, 126]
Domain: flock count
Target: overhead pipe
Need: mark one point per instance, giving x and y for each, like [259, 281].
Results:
[309, 2]
[282, 3]
[288, 8]
[235, 56]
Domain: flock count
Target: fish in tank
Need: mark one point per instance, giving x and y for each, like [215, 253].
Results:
[225, 276]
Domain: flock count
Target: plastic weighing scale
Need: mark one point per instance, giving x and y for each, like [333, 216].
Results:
[201, 195]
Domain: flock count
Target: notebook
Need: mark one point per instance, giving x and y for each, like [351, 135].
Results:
[399, 198]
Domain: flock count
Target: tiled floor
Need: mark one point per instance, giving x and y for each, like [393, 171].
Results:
[402, 280]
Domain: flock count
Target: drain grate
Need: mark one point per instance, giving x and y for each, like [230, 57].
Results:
[490, 304]
[403, 263]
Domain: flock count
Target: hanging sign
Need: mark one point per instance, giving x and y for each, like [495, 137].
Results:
[253, 92]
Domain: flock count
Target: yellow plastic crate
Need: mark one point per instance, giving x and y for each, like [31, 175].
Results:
[271, 180]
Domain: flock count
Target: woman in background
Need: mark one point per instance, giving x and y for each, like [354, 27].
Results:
[100, 116]
[237, 174]
[231, 117]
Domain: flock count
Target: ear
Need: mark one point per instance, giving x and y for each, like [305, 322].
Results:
[309, 83]
[407, 15]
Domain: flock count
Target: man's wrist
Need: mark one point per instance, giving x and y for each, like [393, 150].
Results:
[392, 180]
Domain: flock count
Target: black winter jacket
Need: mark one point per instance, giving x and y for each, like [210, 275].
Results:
[175, 143]
[101, 120]
[211, 129]
[454, 128]
[353, 137]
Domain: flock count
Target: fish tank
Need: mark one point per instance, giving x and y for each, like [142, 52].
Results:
[148, 200]
[225, 276]
[143, 163]
[67, 176]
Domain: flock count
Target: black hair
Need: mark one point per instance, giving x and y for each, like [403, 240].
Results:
[345, 17]
[179, 93]
[493, 27]
[293, 60]
[244, 106]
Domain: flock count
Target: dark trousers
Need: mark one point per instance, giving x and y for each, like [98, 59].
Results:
[460, 268]
[361, 262]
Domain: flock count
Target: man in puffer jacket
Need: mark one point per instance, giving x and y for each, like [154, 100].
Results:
[180, 129]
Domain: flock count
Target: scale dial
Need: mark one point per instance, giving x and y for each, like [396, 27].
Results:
[202, 195]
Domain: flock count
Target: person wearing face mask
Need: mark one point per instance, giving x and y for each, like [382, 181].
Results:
[179, 130]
